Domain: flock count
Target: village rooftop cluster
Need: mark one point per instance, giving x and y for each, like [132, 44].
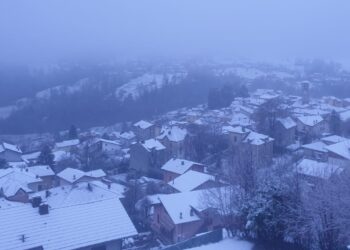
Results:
[147, 183]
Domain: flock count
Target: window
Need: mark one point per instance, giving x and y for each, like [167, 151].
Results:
[158, 218]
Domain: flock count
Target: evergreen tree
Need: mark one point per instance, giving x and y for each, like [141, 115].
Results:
[335, 123]
[3, 163]
[73, 133]
[46, 156]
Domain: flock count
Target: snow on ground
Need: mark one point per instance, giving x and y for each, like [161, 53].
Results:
[60, 90]
[147, 82]
[227, 244]
[252, 73]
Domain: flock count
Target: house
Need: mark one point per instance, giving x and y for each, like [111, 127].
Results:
[260, 149]
[45, 173]
[71, 176]
[126, 138]
[174, 139]
[147, 155]
[316, 151]
[144, 130]
[313, 170]
[285, 132]
[176, 167]
[17, 183]
[10, 152]
[333, 101]
[179, 216]
[235, 135]
[240, 119]
[339, 154]
[313, 125]
[31, 158]
[108, 147]
[67, 145]
[82, 217]
[193, 180]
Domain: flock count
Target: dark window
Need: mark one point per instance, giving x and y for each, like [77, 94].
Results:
[158, 218]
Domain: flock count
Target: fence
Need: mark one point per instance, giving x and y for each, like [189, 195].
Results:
[197, 241]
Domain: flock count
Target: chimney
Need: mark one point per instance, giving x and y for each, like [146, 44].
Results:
[43, 209]
[36, 201]
[74, 177]
[180, 215]
[182, 163]
[47, 193]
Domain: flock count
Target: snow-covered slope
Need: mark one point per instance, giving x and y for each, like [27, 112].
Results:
[251, 73]
[147, 83]
[62, 90]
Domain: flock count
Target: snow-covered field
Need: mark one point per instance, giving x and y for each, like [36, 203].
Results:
[227, 244]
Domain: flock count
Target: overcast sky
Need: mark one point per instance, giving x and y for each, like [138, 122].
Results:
[49, 30]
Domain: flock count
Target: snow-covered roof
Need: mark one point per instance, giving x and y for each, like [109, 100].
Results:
[40, 170]
[72, 175]
[179, 205]
[68, 143]
[174, 134]
[7, 146]
[344, 116]
[190, 180]
[64, 227]
[143, 124]
[341, 148]
[30, 156]
[80, 193]
[152, 144]
[108, 141]
[333, 139]
[126, 135]
[310, 120]
[14, 179]
[257, 139]
[178, 166]
[287, 122]
[60, 154]
[317, 146]
[97, 173]
[237, 130]
[240, 119]
[317, 169]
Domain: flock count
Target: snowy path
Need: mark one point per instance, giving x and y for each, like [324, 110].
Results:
[227, 244]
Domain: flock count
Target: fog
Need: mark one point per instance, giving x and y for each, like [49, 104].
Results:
[41, 31]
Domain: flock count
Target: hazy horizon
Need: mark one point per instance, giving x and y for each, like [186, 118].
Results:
[51, 31]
